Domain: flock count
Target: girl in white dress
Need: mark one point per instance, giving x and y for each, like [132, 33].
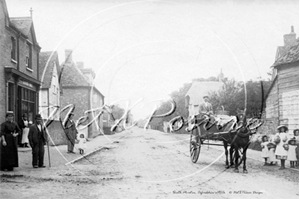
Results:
[292, 152]
[282, 146]
[81, 143]
[272, 146]
[264, 149]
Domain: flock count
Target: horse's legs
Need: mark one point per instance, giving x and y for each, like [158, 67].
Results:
[244, 160]
[226, 154]
[236, 161]
[230, 155]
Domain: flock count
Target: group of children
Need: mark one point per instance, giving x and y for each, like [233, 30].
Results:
[280, 147]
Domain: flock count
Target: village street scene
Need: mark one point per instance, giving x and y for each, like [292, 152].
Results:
[149, 99]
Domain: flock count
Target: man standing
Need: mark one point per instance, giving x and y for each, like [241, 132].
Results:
[71, 133]
[37, 139]
[9, 149]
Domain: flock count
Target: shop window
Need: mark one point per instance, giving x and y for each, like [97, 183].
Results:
[28, 103]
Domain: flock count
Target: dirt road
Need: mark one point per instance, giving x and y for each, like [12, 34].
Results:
[152, 164]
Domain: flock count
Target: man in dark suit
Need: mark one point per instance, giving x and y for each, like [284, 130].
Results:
[71, 133]
[37, 139]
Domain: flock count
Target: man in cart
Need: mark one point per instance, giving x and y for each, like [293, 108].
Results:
[206, 110]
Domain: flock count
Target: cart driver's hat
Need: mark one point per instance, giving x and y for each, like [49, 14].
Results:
[9, 113]
[205, 96]
[282, 126]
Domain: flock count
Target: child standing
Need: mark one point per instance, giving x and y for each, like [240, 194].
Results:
[292, 152]
[272, 147]
[296, 136]
[264, 151]
[81, 143]
[281, 149]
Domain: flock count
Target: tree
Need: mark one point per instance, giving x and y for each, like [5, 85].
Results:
[253, 90]
[227, 96]
[233, 94]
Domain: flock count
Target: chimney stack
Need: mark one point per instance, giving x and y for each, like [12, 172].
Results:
[290, 39]
[80, 65]
[68, 56]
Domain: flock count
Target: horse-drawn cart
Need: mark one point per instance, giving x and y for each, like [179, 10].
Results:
[234, 132]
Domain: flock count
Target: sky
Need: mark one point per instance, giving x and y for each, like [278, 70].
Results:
[141, 51]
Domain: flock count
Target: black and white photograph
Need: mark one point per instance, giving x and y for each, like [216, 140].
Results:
[154, 99]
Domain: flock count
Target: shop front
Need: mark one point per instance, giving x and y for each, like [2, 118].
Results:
[22, 94]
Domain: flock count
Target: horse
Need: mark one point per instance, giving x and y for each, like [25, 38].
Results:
[235, 133]
[239, 141]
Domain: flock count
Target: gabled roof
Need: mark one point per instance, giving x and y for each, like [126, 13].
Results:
[46, 63]
[199, 89]
[287, 55]
[22, 23]
[72, 76]
[25, 26]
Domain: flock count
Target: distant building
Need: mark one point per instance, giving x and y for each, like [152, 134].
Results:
[19, 70]
[76, 82]
[50, 88]
[194, 96]
[50, 94]
[282, 100]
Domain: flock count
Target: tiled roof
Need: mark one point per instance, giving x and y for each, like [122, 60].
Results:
[72, 76]
[289, 55]
[199, 89]
[22, 23]
[46, 63]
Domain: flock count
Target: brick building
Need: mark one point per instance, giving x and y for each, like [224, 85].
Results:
[50, 95]
[19, 70]
[76, 82]
[282, 100]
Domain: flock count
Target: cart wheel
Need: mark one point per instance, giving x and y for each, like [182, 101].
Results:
[195, 146]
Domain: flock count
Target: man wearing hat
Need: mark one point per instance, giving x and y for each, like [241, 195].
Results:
[37, 139]
[71, 133]
[206, 107]
[9, 151]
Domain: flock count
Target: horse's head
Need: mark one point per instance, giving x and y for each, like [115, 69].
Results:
[249, 125]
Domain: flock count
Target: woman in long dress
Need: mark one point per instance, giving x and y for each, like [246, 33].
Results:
[9, 146]
[282, 146]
